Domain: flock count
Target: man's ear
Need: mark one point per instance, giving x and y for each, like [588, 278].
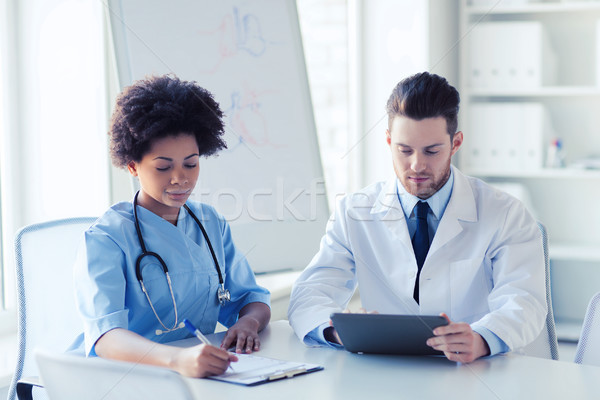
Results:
[456, 141]
[132, 168]
[388, 137]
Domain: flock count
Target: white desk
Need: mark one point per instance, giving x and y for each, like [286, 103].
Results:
[350, 376]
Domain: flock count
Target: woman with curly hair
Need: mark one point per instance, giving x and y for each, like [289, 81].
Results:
[147, 265]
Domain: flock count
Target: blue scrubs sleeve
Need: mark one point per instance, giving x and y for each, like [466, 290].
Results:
[239, 279]
[100, 287]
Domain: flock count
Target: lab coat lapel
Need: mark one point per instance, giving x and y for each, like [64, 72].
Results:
[396, 244]
[391, 214]
[461, 207]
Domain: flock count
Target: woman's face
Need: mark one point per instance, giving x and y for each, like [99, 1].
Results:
[168, 173]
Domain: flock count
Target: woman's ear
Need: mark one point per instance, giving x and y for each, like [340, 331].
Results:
[132, 167]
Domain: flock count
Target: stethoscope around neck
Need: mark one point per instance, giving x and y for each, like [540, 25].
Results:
[223, 294]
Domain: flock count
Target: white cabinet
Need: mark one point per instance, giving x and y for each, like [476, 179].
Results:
[529, 74]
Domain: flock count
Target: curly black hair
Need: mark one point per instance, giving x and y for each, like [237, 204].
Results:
[161, 106]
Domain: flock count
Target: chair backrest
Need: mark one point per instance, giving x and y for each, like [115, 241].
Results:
[47, 314]
[588, 347]
[69, 377]
[546, 344]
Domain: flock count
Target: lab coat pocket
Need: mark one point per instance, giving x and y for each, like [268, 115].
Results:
[470, 285]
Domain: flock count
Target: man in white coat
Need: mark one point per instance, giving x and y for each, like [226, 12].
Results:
[484, 265]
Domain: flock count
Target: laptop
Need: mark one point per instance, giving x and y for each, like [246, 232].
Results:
[69, 377]
[387, 333]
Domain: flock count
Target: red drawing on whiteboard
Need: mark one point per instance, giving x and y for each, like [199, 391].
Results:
[247, 123]
[237, 33]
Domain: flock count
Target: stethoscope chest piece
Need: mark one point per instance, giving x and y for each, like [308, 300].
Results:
[223, 295]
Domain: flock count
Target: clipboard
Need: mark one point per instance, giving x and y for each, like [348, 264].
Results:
[252, 370]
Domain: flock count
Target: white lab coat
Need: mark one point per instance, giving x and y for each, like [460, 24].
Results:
[485, 265]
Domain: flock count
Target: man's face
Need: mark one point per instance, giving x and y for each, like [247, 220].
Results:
[421, 153]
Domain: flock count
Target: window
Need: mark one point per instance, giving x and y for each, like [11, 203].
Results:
[54, 158]
[356, 51]
[324, 28]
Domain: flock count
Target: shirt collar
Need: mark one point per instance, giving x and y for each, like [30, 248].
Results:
[437, 202]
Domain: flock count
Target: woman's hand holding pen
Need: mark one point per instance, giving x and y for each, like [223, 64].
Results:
[201, 361]
[197, 362]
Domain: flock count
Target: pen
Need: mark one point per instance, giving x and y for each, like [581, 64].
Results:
[195, 331]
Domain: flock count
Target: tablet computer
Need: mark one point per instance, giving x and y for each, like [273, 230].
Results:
[387, 333]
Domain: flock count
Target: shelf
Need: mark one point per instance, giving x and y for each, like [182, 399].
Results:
[551, 173]
[548, 91]
[535, 8]
[574, 252]
[561, 47]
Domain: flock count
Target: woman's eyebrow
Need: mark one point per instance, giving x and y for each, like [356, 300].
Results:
[170, 159]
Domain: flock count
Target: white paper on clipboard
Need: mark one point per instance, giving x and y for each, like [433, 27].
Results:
[253, 370]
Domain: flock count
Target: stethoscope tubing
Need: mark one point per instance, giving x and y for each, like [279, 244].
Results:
[145, 252]
[223, 294]
[212, 251]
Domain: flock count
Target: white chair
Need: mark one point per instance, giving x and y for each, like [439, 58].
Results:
[588, 347]
[47, 315]
[68, 377]
[546, 344]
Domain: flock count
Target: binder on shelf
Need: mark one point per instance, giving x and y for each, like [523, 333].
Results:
[512, 54]
[484, 144]
[506, 137]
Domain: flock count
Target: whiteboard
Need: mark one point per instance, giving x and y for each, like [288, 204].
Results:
[269, 182]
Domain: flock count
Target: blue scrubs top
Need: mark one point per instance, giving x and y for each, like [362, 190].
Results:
[109, 295]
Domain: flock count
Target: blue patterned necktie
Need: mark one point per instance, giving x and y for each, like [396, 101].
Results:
[420, 241]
